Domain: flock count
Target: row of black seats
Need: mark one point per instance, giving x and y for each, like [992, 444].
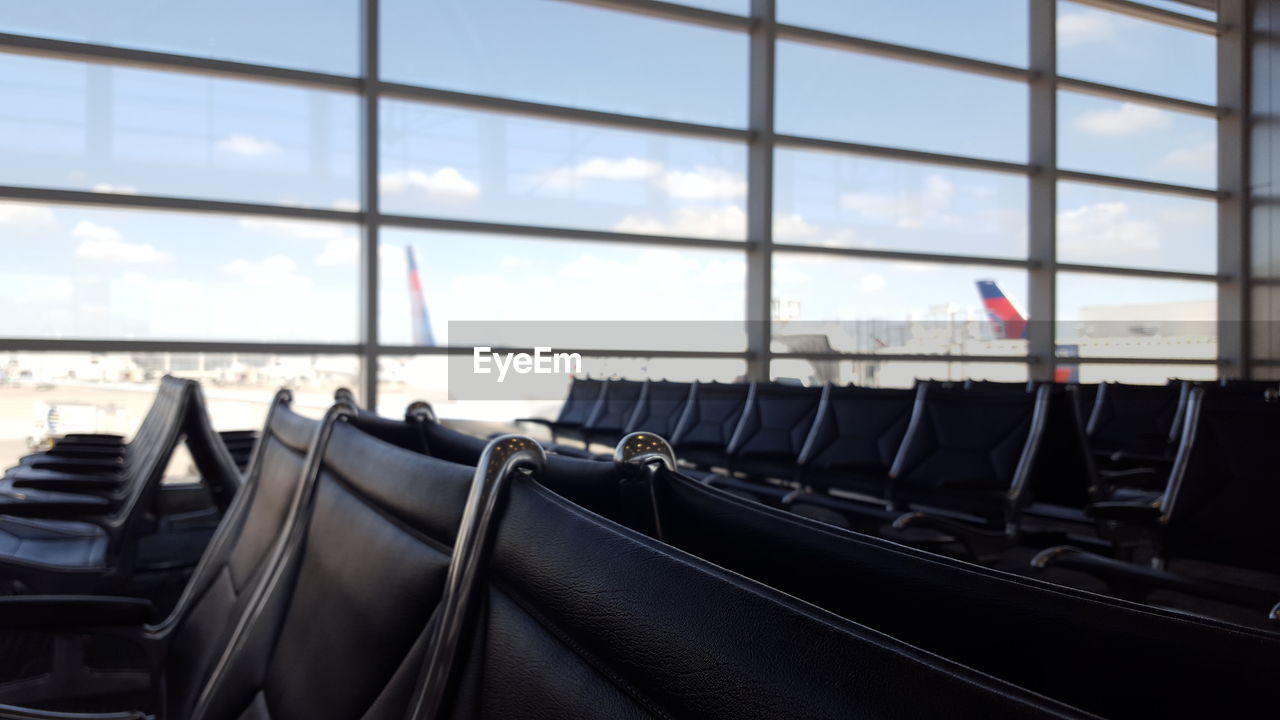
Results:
[373, 568]
[974, 462]
[73, 518]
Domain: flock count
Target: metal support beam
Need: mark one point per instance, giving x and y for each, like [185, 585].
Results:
[1043, 192]
[760, 189]
[369, 198]
[1233, 181]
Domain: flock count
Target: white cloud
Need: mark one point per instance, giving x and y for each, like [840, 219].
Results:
[908, 210]
[1080, 28]
[99, 242]
[1105, 230]
[792, 227]
[446, 181]
[247, 146]
[703, 182]
[276, 270]
[729, 222]
[1202, 157]
[1127, 119]
[872, 283]
[346, 204]
[117, 189]
[340, 251]
[602, 168]
[16, 213]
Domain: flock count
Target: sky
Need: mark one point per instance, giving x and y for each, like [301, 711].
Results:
[86, 272]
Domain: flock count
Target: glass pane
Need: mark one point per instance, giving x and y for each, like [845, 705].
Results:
[77, 272]
[243, 30]
[861, 98]
[581, 290]
[1122, 50]
[892, 373]
[118, 130]
[1115, 316]
[1144, 374]
[1138, 141]
[823, 303]
[735, 7]
[455, 163]
[844, 200]
[1184, 8]
[568, 54]
[1100, 225]
[994, 30]
[45, 395]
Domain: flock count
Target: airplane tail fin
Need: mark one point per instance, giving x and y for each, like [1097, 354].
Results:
[422, 334]
[1007, 322]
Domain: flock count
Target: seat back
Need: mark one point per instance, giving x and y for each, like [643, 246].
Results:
[994, 386]
[1224, 490]
[1064, 472]
[855, 437]
[580, 402]
[578, 617]
[702, 436]
[971, 452]
[1067, 644]
[209, 451]
[775, 422]
[608, 420]
[659, 408]
[339, 627]
[1137, 418]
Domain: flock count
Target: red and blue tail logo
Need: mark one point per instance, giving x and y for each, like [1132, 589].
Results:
[422, 334]
[1007, 322]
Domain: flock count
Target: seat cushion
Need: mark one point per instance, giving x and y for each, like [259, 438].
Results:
[57, 544]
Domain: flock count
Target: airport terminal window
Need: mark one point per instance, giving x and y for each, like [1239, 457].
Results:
[1135, 140]
[239, 30]
[496, 167]
[99, 273]
[842, 200]
[569, 54]
[879, 306]
[83, 126]
[1136, 317]
[643, 290]
[1101, 225]
[991, 30]
[862, 98]
[1117, 49]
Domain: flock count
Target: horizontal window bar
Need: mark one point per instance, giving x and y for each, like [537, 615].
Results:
[908, 256]
[1147, 12]
[837, 356]
[902, 52]
[1141, 272]
[157, 202]
[674, 11]
[428, 223]
[1108, 91]
[1137, 361]
[920, 156]
[1141, 184]
[180, 346]
[559, 112]
[151, 60]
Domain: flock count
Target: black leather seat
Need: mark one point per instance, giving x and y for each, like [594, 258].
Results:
[1074, 646]
[659, 409]
[1064, 479]
[1219, 505]
[1137, 426]
[584, 393]
[968, 456]
[855, 438]
[702, 436]
[574, 616]
[188, 642]
[618, 401]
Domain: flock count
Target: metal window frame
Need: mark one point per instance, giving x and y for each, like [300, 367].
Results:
[760, 141]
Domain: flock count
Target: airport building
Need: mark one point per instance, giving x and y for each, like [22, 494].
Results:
[966, 297]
